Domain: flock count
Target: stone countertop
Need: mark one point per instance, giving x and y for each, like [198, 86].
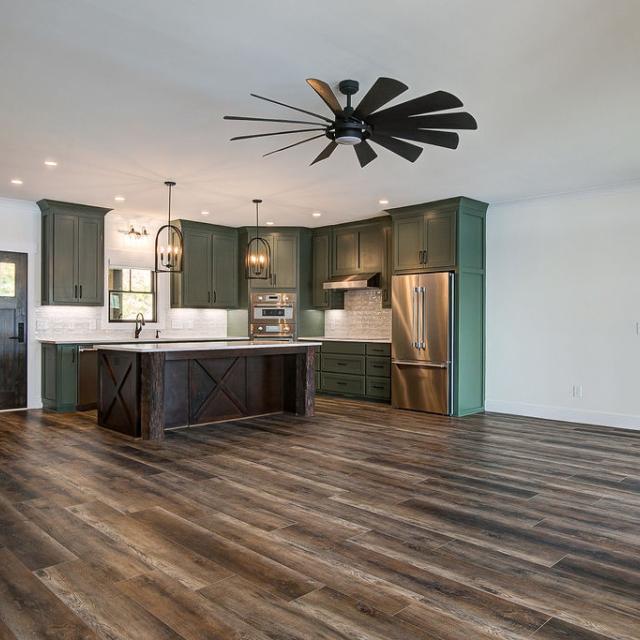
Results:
[205, 346]
[141, 340]
[324, 339]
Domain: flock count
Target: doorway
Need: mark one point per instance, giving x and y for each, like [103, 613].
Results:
[13, 330]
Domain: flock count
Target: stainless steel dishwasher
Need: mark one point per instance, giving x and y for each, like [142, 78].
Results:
[87, 378]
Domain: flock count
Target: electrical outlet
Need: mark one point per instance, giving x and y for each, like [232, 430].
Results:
[638, 328]
[576, 391]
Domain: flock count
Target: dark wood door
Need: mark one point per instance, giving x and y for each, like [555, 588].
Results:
[13, 330]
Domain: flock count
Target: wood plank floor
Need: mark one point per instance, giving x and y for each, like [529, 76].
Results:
[360, 523]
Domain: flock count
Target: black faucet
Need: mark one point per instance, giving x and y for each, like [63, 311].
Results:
[139, 325]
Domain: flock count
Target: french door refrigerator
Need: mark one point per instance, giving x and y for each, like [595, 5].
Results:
[422, 336]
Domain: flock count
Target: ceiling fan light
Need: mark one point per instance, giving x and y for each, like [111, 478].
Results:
[348, 139]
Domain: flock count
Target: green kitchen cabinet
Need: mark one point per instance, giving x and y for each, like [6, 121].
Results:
[425, 236]
[209, 279]
[72, 253]
[60, 376]
[321, 267]
[284, 261]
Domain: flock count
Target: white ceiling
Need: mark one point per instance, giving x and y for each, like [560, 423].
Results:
[127, 93]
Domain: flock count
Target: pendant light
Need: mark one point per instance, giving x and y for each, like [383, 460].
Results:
[258, 255]
[169, 252]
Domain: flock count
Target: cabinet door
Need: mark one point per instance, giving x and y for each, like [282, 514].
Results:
[345, 251]
[225, 271]
[90, 261]
[321, 266]
[285, 275]
[371, 249]
[67, 376]
[439, 230]
[387, 270]
[408, 243]
[64, 259]
[198, 269]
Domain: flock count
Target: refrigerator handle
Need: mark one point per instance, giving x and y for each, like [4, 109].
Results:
[424, 317]
[414, 318]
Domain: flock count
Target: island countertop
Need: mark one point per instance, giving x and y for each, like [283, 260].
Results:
[173, 347]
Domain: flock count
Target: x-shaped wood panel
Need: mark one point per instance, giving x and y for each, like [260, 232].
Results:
[220, 386]
[117, 396]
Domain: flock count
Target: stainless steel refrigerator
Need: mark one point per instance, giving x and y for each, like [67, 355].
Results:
[422, 342]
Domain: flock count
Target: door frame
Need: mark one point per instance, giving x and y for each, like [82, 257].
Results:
[27, 256]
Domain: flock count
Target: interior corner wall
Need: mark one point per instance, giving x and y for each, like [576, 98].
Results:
[20, 232]
[563, 307]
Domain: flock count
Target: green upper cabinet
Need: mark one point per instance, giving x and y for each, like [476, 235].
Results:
[321, 267]
[72, 253]
[209, 279]
[284, 261]
[424, 236]
[345, 251]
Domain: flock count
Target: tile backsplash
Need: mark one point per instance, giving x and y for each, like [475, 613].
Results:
[362, 317]
[71, 323]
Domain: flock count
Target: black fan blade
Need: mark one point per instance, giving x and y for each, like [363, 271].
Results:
[276, 133]
[326, 93]
[382, 91]
[282, 104]
[326, 152]
[460, 120]
[295, 144]
[437, 101]
[365, 153]
[408, 151]
[447, 139]
[269, 120]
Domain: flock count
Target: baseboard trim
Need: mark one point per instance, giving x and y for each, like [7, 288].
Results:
[620, 420]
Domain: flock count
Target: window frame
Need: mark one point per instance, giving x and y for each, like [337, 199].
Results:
[153, 293]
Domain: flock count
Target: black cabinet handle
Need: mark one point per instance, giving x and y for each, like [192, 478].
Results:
[73, 356]
[80, 291]
[20, 336]
[377, 386]
[342, 384]
[215, 296]
[75, 291]
[377, 366]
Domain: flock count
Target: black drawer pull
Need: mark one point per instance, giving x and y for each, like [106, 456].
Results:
[378, 366]
[377, 386]
[341, 364]
[342, 384]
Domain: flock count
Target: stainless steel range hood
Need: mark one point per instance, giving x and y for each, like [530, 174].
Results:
[355, 281]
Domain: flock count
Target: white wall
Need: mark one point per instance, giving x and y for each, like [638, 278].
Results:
[20, 232]
[563, 307]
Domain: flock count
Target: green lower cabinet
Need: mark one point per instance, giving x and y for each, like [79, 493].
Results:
[355, 369]
[60, 376]
[378, 388]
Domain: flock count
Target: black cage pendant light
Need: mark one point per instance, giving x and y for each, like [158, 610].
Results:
[258, 256]
[169, 251]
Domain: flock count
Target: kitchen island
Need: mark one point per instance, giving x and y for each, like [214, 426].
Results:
[144, 389]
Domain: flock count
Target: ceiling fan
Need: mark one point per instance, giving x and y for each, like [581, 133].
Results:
[390, 128]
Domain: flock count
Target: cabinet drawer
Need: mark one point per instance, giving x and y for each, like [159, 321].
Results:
[378, 349]
[378, 366]
[343, 364]
[379, 388]
[348, 348]
[349, 385]
[317, 362]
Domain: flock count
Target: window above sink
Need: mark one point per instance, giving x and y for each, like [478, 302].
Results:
[132, 291]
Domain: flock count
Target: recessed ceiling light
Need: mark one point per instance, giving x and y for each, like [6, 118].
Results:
[269, 223]
[16, 181]
[50, 163]
[316, 214]
[119, 198]
[383, 201]
[204, 213]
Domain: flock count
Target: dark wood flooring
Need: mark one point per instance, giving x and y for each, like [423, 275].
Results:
[360, 523]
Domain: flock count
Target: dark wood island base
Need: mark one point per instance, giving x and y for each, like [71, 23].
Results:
[145, 389]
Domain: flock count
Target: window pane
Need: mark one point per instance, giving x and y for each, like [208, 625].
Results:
[7, 279]
[140, 280]
[126, 306]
